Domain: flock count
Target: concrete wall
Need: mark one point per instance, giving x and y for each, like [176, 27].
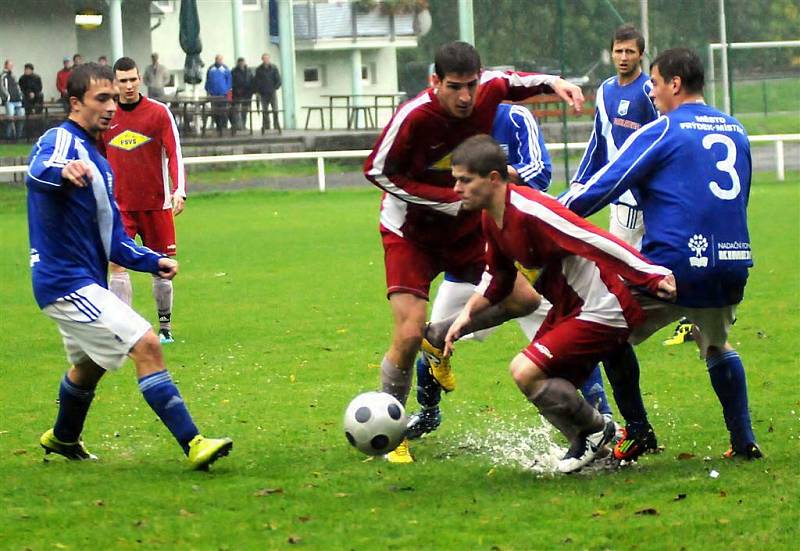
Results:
[42, 32]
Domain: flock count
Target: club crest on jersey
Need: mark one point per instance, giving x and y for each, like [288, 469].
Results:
[623, 107]
[698, 245]
[129, 140]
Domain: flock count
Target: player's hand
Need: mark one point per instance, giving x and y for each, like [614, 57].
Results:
[77, 173]
[178, 203]
[569, 92]
[167, 267]
[455, 332]
[667, 288]
[513, 175]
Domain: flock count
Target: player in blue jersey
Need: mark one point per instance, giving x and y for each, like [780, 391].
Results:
[691, 171]
[518, 134]
[75, 231]
[622, 106]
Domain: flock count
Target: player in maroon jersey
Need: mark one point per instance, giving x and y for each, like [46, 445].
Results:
[423, 227]
[533, 242]
[143, 147]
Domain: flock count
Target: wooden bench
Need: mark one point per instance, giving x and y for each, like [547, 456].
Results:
[316, 109]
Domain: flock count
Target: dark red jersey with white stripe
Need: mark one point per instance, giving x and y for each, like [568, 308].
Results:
[143, 147]
[580, 268]
[411, 159]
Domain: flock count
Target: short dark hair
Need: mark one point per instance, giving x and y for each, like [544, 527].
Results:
[456, 57]
[125, 64]
[481, 155]
[29, 66]
[628, 32]
[81, 77]
[683, 63]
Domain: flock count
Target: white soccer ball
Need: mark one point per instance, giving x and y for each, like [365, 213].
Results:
[375, 423]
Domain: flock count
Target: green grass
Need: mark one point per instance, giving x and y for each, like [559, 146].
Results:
[281, 318]
[774, 123]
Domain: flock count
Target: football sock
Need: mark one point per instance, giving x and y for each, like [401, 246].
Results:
[163, 397]
[73, 406]
[622, 370]
[594, 392]
[429, 392]
[730, 384]
[492, 316]
[558, 402]
[120, 285]
[395, 381]
[162, 292]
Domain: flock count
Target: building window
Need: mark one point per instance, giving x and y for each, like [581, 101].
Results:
[313, 76]
[251, 5]
[166, 6]
[368, 73]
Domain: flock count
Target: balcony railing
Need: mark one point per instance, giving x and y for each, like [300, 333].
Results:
[319, 21]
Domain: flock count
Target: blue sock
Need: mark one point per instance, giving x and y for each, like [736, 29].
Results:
[729, 382]
[74, 402]
[162, 395]
[429, 393]
[594, 392]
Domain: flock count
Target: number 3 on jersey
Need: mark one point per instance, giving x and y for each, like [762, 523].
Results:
[725, 165]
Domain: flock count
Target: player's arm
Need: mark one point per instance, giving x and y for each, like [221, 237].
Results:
[638, 157]
[52, 165]
[389, 164]
[172, 145]
[524, 85]
[525, 151]
[127, 253]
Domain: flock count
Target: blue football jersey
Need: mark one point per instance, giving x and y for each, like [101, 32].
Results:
[515, 129]
[691, 170]
[619, 112]
[74, 232]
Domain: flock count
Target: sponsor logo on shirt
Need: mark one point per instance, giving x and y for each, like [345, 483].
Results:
[625, 123]
[698, 245]
[734, 250]
[129, 140]
[623, 107]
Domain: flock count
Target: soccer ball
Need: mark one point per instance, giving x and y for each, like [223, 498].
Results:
[375, 423]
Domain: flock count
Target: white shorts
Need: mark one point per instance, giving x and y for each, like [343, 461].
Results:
[452, 296]
[627, 224]
[714, 324]
[96, 325]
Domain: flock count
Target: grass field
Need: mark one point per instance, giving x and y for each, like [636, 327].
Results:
[281, 319]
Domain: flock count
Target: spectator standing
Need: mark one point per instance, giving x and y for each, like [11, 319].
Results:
[242, 79]
[61, 82]
[30, 84]
[77, 59]
[218, 86]
[156, 78]
[11, 96]
[102, 60]
[267, 81]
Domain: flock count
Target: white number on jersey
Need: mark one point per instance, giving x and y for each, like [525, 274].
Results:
[725, 165]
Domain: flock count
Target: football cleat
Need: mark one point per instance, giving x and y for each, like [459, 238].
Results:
[682, 334]
[401, 454]
[750, 451]
[204, 451]
[423, 422]
[165, 336]
[619, 430]
[74, 451]
[586, 449]
[439, 365]
[634, 444]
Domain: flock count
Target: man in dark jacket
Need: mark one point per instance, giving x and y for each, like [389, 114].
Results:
[30, 85]
[11, 96]
[267, 81]
[242, 93]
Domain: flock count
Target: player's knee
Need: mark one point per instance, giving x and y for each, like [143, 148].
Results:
[525, 373]
[408, 337]
[147, 349]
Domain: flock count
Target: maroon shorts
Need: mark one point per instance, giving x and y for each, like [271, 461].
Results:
[410, 267]
[570, 348]
[156, 228]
